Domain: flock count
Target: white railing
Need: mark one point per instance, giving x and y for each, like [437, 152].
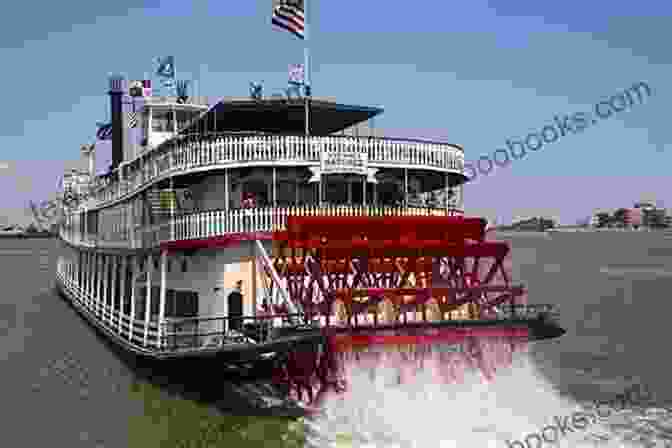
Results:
[189, 152]
[210, 223]
[178, 334]
[130, 330]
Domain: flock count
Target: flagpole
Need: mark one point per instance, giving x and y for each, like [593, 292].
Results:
[307, 83]
[306, 56]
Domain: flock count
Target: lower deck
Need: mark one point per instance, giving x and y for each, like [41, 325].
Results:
[207, 301]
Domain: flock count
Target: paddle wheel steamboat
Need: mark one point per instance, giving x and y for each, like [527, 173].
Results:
[223, 229]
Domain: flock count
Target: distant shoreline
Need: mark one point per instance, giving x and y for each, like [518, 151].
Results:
[23, 236]
[581, 229]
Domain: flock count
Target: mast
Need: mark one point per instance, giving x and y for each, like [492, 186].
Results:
[306, 56]
[307, 84]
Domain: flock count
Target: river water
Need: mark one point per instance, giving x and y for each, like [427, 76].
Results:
[65, 386]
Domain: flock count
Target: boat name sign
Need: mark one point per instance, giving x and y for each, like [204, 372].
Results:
[343, 160]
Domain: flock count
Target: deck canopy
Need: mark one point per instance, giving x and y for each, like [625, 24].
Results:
[280, 115]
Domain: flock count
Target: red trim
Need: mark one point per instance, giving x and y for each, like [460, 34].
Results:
[216, 241]
[452, 335]
[393, 228]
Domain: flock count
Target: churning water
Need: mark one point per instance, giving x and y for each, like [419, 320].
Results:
[483, 391]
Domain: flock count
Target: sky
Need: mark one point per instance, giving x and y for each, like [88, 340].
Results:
[473, 73]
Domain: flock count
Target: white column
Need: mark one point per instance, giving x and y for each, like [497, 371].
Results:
[122, 292]
[149, 126]
[87, 276]
[173, 198]
[113, 289]
[106, 287]
[405, 187]
[275, 183]
[134, 273]
[364, 179]
[348, 181]
[296, 190]
[92, 283]
[131, 222]
[99, 283]
[148, 300]
[162, 296]
[226, 189]
[77, 270]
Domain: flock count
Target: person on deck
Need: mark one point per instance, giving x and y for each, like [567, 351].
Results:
[235, 307]
[249, 203]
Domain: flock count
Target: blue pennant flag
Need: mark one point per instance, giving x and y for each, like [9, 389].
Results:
[165, 70]
[165, 67]
[104, 131]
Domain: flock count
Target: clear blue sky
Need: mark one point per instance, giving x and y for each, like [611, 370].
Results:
[473, 73]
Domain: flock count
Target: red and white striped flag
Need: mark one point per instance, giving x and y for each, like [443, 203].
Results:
[288, 15]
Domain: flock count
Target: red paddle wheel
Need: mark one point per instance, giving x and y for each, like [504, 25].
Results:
[365, 262]
[406, 262]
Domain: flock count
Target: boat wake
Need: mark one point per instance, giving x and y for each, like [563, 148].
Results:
[484, 391]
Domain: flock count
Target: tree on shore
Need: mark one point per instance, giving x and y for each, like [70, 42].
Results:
[602, 219]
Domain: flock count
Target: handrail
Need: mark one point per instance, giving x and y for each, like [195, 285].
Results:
[221, 149]
[208, 223]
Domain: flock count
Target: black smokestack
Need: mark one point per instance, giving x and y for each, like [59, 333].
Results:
[116, 113]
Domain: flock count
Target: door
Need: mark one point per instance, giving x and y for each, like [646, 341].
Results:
[235, 306]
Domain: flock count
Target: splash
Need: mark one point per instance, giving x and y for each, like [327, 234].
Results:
[442, 389]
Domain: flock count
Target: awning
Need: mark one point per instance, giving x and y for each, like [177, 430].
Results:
[280, 115]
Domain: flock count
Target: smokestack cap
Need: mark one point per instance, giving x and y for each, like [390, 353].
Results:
[117, 83]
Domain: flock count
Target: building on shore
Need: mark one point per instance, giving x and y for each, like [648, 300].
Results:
[641, 215]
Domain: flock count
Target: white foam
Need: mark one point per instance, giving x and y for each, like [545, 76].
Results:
[423, 412]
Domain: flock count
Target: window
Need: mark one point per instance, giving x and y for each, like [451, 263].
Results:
[184, 117]
[389, 194]
[181, 303]
[286, 193]
[162, 121]
[336, 190]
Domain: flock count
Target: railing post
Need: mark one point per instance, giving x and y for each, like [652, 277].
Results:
[99, 295]
[226, 189]
[134, 273]
[89, 279]
[148, 299]
[122, 292]
[113, 290]
[106, 288]
[173, 199]
[162, 298]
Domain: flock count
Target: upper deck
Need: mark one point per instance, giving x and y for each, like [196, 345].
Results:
[194, 153]
[225, 149]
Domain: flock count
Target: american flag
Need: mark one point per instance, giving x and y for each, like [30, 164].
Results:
[288, 15]
[132, 119]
